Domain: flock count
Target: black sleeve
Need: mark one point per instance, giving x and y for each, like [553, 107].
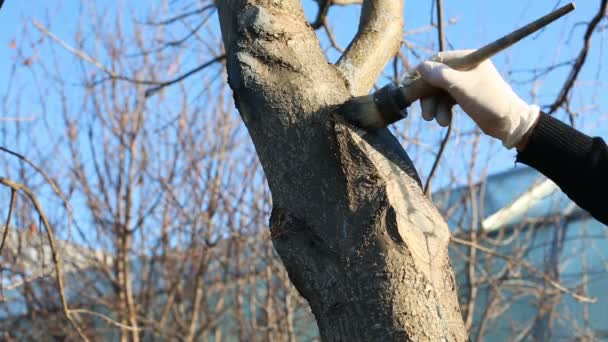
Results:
[577, 163]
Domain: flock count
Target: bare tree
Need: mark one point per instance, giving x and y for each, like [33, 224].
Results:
[164, 238]
[165, 232]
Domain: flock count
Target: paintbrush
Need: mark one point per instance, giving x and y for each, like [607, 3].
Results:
[387, 105]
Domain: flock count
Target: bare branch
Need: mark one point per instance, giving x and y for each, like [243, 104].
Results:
[180, 78]
[321, 14]
[448, 133]
[78, 53]
[105, 318]
[8, 221]
[442, 146]
[113, 75]
[331, 37]
[346, 2]
[529, 267]
[181, 16]
[19, 119]
[322, 22]
[580, 60]
[376, 42]
[324, 6]
[14, 186]
[48, 179]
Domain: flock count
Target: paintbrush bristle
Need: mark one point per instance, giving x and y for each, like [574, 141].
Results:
[363, 112]
[377, 110]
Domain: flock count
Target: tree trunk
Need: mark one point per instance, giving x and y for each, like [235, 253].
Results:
[358, 238]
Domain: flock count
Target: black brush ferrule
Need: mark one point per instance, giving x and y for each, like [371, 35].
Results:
[391, 103]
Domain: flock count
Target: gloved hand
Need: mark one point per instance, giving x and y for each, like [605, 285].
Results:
[482, 93]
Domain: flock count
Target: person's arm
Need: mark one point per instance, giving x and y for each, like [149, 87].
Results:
[577, 163]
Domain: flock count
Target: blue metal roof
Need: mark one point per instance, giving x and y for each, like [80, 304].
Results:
[501, 190]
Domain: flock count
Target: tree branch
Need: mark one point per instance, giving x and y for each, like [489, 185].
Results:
[181, 16]
[154, 90]
[346, 2]
[105, 318]
[580, 60]
[8, 223]
[448, 133]
[158, 85]
[324, 6]
[331, 37]
[579, 297]
[14, 186]
[321, 14]
[377, 40]
[48, 179]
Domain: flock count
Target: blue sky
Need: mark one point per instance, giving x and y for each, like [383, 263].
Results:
[472, 24]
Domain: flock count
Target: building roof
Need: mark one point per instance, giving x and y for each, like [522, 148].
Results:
[508, 198]
[27, 257]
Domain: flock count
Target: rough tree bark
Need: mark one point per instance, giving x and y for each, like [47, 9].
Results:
[359, 239]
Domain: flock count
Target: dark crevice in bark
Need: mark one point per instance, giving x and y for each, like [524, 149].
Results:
[391, 226]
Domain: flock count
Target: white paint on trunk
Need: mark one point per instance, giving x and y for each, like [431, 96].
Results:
[416, 218]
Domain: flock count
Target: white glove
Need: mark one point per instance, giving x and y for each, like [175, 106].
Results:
[482, 93]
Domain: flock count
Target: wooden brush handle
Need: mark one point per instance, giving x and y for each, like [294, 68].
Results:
[413, 87]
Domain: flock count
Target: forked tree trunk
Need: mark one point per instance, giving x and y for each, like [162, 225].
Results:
[358, 238]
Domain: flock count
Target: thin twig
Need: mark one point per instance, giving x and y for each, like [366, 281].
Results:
[86, 57]
[78, 53]
[48, 179]
[25, 280]
[346, 2]
[532, 269]
[8, 220]
[331, 37]
[105, 318]
[161, 85]
[321, 21]
[444, 143]
[321, 14]
[113, 75]
[580, 60]
[181, 16]
[448, 133]
[18, 119]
